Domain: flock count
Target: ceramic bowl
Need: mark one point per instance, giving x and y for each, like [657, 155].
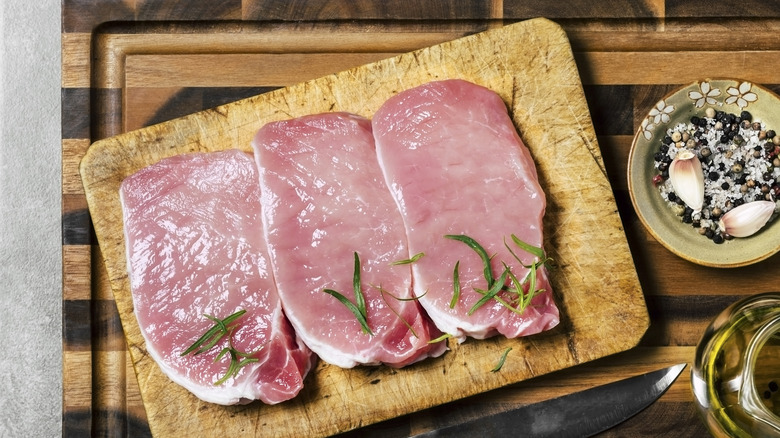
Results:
[731, 96]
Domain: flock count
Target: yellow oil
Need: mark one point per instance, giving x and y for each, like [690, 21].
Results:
[736, 373]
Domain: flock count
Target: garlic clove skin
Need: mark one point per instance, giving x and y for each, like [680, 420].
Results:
[687, 179]
[747, 219]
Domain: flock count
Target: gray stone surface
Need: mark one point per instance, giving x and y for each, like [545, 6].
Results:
[30, 236]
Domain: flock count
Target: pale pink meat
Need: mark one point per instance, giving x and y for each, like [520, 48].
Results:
[324, 198]
[456, 166]
[195, 246]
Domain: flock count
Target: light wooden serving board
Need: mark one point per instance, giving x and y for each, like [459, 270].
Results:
[530, 65]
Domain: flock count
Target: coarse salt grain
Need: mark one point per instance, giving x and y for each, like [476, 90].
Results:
[734, 173]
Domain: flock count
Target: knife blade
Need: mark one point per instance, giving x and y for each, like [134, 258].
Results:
[581, 414]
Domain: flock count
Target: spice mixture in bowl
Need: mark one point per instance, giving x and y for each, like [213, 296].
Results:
[738, 164]
[704, 172]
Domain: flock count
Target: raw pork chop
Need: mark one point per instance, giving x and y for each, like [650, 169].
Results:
[194, 247]
[456, 166]
[324, 199]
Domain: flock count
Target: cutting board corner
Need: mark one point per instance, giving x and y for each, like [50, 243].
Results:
[501, 61]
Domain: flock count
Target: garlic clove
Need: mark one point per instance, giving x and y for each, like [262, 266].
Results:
[747, 219]
[687, 179]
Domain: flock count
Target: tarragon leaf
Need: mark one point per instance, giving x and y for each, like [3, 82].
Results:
[487, 270]
[360, 300]
[455, 285]
[495, 289]
[214, 334]
[501, 360]
[221, 329]
[352, 308]
[414, 258]
[443, 337]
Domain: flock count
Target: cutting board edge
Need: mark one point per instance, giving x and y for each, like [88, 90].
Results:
[97, 146]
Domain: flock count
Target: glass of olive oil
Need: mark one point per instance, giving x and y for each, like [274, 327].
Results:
[736, 371]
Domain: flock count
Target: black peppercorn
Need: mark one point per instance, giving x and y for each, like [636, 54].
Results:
[728, 158]
[713, 176]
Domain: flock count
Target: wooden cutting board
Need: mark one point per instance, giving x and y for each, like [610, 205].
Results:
[530, 65]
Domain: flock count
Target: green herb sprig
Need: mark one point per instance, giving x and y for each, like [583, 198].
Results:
[358, 308]
[501, 360]
[220, 329]
[214, 334]
[443, 337]
[383, 292]
[409, 261]
[486, 268]
[455, 285]
[522, 299]
[516, 288]
[495, 288]
[238, 359]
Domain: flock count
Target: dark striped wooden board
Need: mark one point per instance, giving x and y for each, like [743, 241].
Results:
[629, 55]
[531, 66]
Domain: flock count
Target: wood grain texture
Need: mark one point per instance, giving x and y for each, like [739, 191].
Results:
[160, 104]
[530, 65]
[604, 9]
[372, 9]
[642, 359]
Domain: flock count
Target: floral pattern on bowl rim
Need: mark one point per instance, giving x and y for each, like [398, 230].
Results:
[728, 95]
